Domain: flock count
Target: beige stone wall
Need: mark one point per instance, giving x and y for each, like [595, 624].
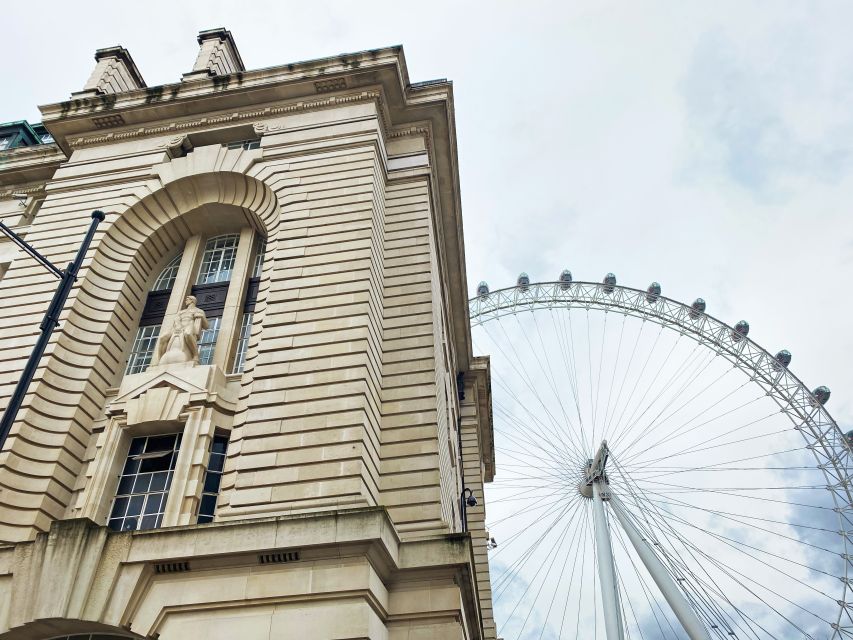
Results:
[348, 399]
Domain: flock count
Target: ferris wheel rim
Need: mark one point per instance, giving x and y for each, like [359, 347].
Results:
[705, 329]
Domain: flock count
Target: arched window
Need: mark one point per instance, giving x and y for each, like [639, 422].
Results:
[145, 340]
[166, 280]
[212, 283]
[218, 259]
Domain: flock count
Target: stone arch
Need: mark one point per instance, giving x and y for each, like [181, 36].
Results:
[50, 437]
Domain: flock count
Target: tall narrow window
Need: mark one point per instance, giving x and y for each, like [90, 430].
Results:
[145, 341]
[243, 342]
[143, 348]
[259, 259]
[144, 484]
[218, 259]
[212, 479]
[207, 341]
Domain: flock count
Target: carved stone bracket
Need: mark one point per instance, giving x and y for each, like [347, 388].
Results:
[162, 394]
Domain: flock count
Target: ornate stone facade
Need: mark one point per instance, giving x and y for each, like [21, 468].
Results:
[296, 472]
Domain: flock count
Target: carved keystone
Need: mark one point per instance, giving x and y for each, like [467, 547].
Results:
[114, 72]
[218, 55]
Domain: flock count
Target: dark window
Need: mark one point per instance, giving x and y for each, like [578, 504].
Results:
[212, 479]
[245, 144]
[144, 483]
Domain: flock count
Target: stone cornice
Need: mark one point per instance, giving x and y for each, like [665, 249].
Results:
[207, 122]
[233, 92]
[29, 164]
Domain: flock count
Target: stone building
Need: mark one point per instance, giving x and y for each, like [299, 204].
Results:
[288, 463]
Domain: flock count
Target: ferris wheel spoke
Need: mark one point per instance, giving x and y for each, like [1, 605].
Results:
[683, 427]
[558, 430]
[635, 457]
[505, 580]
[696, 367]
[538, 427]
[551, 562]
[566, 342]
[739, 441]
[613, 377]
[640, 376]
[550, 380]
[582, 529]
[608, 419]
[554, 386]
[632, 420]
[729, 539]
[550, 463]
[528, 510]
[543, 443]
[575, 538]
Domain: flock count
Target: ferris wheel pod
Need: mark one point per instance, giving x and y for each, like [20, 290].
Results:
[523, 281]
[609, 283]
[740, 330]
[783, 359]
[482, 289]
[697, 308]
[565, 279]
[821, 395]
[849, 438]
[653, 292]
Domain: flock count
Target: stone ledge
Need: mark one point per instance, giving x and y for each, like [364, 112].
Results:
[80, 571]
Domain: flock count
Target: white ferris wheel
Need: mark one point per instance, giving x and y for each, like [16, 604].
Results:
[659, 474]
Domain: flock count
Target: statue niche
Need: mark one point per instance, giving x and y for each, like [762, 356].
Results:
[181, 344]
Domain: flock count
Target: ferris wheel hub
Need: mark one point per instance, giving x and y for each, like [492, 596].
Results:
[594, 472]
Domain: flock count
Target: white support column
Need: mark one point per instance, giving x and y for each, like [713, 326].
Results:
[606, 568]
[677, 602]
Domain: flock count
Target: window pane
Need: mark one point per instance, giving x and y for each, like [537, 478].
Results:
[166, 279]
[212, 479]
[160, 443]
[152, 504]
[159, 481]
[160, 463]
[119, 507]
[207, 341]
[141, 496]
[125, 485]
[259, 259]
[243, 343]
[218, 259]
[142, 483]
[134, 507]
[143, 349]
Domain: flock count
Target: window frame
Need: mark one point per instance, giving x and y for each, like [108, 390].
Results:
[229, 244]
[134, 489]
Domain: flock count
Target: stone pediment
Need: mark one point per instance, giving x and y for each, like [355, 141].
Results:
[163, 393]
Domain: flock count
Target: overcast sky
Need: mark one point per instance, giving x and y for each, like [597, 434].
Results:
[707, 147]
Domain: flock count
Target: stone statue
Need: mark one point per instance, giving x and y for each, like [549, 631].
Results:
[181, 344]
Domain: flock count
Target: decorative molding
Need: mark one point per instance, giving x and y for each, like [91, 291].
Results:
[237, 116]
[32, 190]
[174, 141]
[335, 84]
